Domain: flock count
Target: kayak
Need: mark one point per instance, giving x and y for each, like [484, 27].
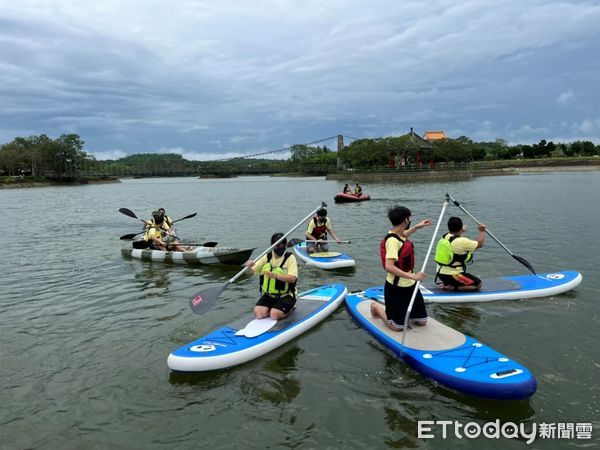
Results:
[324, 260]
[228, 346]
[449, 357]
[502, 288]
[201, 255]
[347, 198]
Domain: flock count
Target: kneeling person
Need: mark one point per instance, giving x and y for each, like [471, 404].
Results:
[398, 260]
[278, 273]
[452, 254]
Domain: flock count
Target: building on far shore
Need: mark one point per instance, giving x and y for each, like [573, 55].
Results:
[431, 136]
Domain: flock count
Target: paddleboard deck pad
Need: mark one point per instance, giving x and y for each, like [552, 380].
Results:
[222, 348]
[503, 288]
[448, 356]
[338, 261]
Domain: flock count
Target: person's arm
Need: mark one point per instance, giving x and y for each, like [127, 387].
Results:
[309, 230]
[333, 235]
[253, 267]
[292, 271]
[481, 236]
[423, 223]
[391, 268]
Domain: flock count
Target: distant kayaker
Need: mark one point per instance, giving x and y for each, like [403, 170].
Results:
[357, 189]
[452, 254]
[347, 189]
[156, 234]
[398, 260]
[278, 272]
[317, 230]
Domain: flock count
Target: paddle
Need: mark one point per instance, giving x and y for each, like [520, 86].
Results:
[416, 289]
[130, 213]
[518, 258]
[293, 242]
[204, 300]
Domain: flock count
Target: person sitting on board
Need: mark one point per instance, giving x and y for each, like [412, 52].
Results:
[398, 260]
[452, 254]
[317, 230]
[156, 234]
[278, 273]
[167, 222]
[167, 219]
[347, 189]
[357, 190]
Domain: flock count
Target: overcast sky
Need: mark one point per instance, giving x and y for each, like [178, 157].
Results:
[229, 77]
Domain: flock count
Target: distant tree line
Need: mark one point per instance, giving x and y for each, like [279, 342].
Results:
[364, 153]
[64, 157]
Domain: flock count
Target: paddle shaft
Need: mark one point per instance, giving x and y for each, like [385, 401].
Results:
[414, 294]
[205, 300]
[518, 258]
[281, 239]
[479, 223]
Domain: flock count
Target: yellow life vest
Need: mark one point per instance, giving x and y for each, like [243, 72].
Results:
[271, 286]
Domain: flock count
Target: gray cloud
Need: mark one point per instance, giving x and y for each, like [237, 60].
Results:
[241, 77]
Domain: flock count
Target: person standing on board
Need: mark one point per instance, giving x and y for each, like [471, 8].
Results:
[398, 260]
[278, 273]
[452, 254]
[317, 230]
[357, 189]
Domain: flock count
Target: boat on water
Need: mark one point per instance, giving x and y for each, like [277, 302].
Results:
[348, 198]
[199, 255]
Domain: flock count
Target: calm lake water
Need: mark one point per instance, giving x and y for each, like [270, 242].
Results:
[85, 333]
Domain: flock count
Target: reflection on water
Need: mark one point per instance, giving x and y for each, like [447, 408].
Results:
[153, 276]
[278, 383]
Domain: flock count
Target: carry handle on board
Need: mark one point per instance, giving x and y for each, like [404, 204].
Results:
[205, 300]
[518, 258]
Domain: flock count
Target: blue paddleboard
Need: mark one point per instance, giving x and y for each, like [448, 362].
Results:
[226, 347]
[337, 260]
[503, 288]
[448, 356]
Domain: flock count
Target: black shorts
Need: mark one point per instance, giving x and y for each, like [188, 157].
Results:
[397, 300]
[284, 303]
[462, 279]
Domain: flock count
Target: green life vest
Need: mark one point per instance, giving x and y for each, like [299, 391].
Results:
[445, 256]
[275, 288]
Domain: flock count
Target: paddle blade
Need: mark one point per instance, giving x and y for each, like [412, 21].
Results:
[186, 217]
[525, 263]
[206, 299]
[128, 237]
[210, 244]
[128, 212]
